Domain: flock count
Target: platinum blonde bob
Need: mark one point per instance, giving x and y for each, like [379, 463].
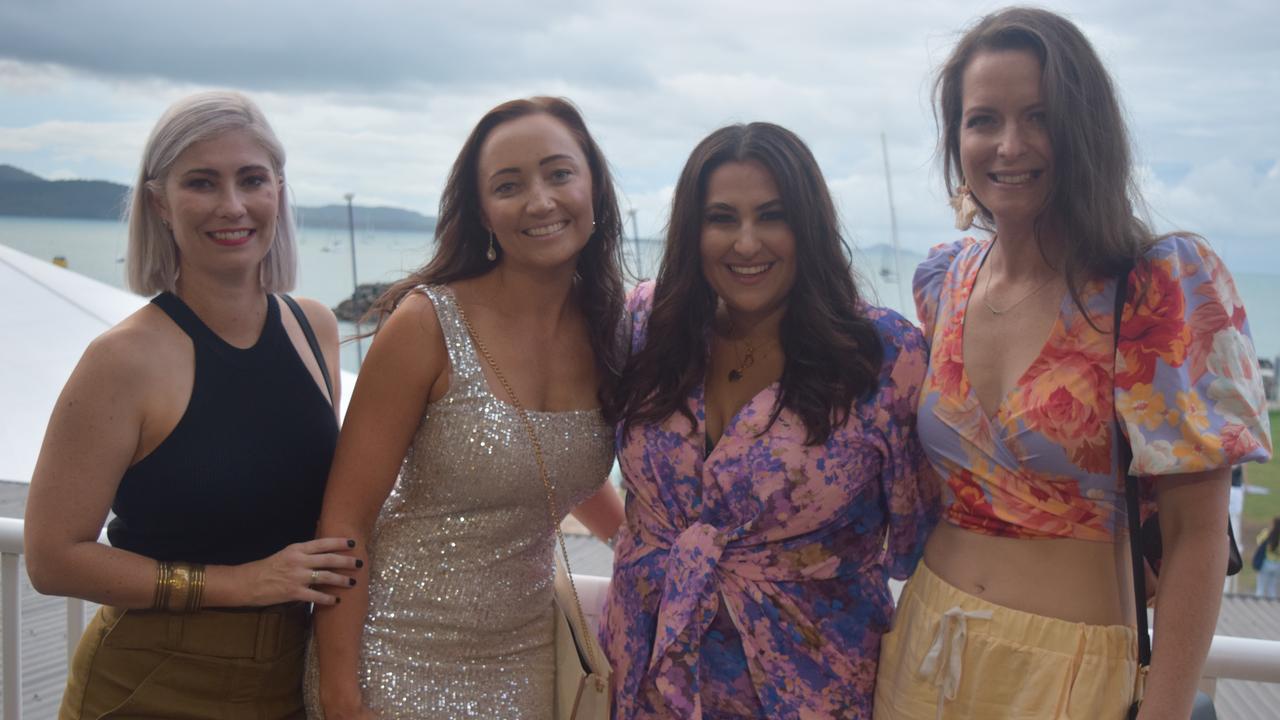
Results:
[152, 257]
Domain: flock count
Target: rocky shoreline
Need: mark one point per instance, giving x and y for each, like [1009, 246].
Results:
[354, 307]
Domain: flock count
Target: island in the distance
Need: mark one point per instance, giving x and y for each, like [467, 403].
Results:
[24, 194]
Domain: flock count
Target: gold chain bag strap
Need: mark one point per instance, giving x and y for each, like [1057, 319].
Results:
[582, 673]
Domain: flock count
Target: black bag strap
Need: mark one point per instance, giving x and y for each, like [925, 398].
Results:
[311, 340]
[1131, 499]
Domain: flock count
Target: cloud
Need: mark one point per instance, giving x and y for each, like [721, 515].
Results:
[1231, 203]
[294, 45]
[375, 98]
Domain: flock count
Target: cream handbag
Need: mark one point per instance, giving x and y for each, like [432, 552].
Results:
[582, 672]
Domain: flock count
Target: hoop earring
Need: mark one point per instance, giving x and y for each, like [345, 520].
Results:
[492, 253]
[965, 206]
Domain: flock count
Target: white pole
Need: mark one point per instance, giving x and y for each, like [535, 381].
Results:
[11, 617]
[355, 282]
[893, 227]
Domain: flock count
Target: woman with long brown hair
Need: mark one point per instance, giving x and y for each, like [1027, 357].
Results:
[768, 447]
[434, 474]
[1023, 606]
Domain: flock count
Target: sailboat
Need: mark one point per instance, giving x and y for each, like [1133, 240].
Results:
[895, 274]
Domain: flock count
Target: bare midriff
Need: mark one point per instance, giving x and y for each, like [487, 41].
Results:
[1075, 580]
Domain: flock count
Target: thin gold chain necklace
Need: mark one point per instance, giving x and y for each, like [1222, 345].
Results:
[986, 293]
[747, 360]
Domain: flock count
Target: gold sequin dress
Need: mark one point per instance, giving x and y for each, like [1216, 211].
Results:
[461, 558]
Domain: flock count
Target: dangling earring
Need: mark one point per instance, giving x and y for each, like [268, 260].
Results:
[492, 253]
[965, 206]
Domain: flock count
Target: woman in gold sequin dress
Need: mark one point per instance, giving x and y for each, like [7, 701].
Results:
[455, 619]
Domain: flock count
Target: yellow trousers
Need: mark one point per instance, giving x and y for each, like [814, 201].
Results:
[233, 664]
[953, 656]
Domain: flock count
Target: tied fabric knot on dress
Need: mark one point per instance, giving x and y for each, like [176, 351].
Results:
[691, 567]
[944, 661]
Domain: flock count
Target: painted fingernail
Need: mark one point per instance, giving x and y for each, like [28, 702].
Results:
[351, 582]
[351, 543]
[359, 563]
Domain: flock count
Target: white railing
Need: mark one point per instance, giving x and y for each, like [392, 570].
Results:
[11, 616]
[1232, 658]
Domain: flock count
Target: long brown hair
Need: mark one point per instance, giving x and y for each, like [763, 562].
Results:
[1273, 538]
[832, 349]
[1093, 195]
[462, 240]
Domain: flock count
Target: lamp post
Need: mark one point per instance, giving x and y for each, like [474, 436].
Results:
[355, 282]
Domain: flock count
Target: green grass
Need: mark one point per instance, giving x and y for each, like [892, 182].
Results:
[1258, 509]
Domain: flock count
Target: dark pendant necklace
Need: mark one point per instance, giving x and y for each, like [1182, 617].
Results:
[735, 374]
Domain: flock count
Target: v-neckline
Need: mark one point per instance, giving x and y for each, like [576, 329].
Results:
[709, 449]
[971, 393]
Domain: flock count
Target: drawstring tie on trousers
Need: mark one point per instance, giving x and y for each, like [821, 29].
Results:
[944, 660]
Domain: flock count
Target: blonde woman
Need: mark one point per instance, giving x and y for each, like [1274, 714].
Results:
[206, 422]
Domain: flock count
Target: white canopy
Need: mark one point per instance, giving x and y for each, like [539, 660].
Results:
[48, 315]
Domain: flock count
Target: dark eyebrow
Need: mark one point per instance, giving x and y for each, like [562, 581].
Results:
[543, 161]
[770, 204]
[990, 110]
[719, 206]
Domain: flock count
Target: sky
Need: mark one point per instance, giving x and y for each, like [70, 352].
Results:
[376, 97]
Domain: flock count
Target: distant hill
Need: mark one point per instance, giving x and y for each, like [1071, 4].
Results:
[26, 195]
[9, 173]
[383, 218]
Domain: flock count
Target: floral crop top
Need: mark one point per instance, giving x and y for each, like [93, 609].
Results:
[1185, 381]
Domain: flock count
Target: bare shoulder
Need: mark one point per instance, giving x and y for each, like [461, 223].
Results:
[133, 350]
[319, 315]
[415, 317]
[410, 346]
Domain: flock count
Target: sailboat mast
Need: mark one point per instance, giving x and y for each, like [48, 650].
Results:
[893, 223]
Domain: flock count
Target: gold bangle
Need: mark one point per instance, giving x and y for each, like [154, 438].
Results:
[179, 587]
[196, 596]
[160, 600]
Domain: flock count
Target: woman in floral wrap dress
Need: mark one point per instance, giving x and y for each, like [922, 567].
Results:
[768, 447]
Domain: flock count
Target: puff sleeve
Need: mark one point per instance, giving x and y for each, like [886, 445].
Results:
[909, 487]
[929, 281]
[1188, 388]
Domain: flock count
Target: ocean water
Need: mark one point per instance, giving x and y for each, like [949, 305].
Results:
[96, 248]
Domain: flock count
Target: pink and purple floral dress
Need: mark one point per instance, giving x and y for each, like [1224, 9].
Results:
[752, 581]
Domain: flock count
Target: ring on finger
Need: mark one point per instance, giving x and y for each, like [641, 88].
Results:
[315, 577]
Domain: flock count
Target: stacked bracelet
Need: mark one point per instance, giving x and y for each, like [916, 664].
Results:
[179, 587]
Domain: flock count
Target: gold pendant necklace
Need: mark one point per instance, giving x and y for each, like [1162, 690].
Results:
[735, 374]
